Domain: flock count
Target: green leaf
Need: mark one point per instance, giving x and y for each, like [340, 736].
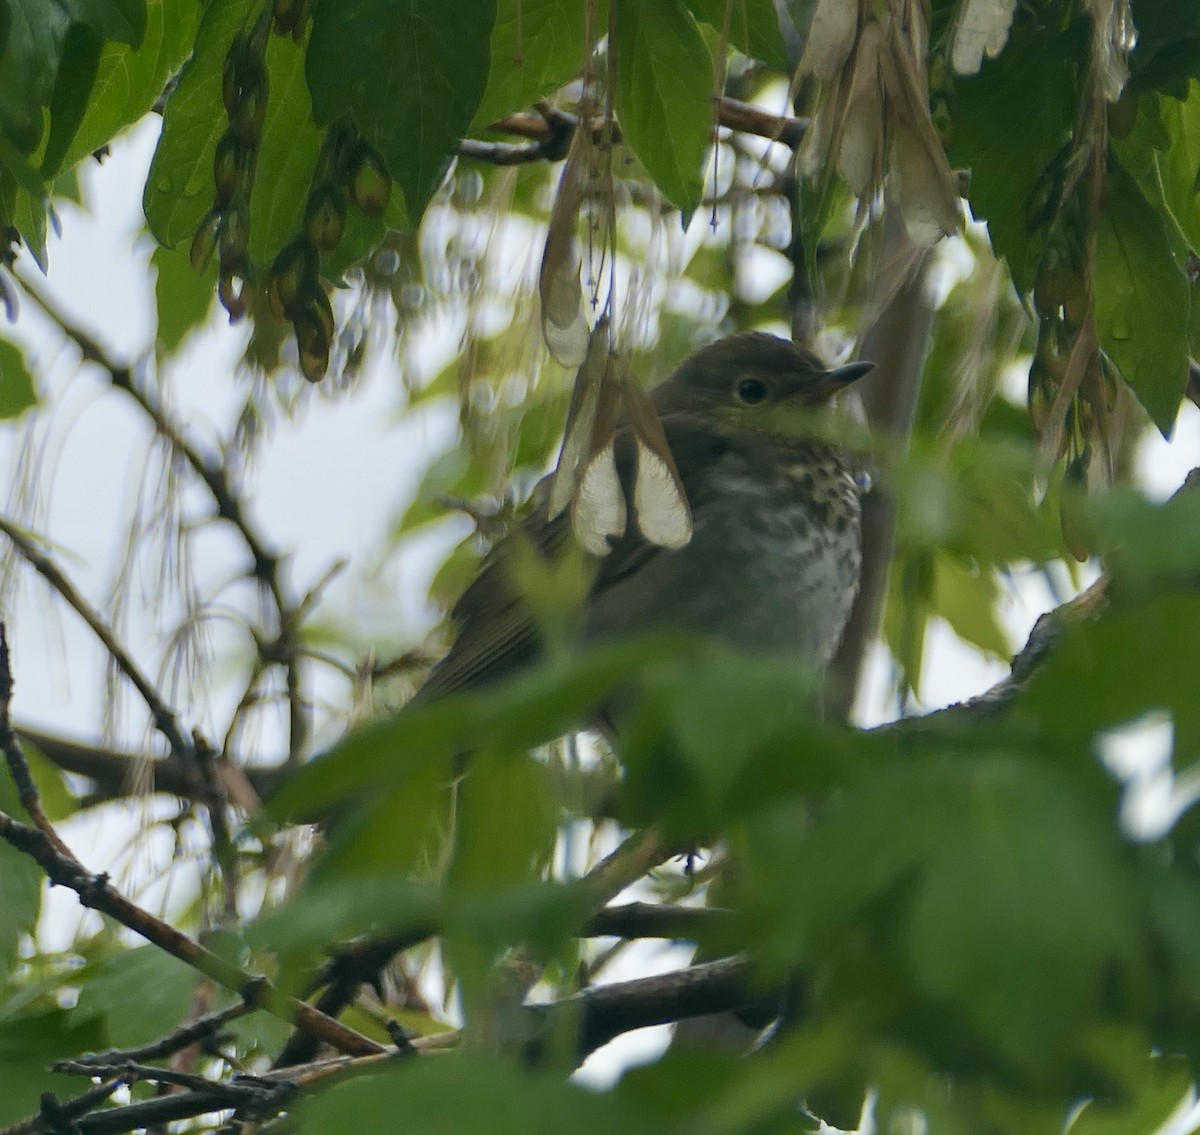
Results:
[1142, 305]
[18, 168]
[1010, 122]
[182, 296]
[1167, 52]
[1162, 153]
[1152, 1087]
[664, 95]
[970, 503]
[129, 81]
[548, 51]
[975, 904]
[967, 600]
[72, 93]
[402, 827]
[506, 823]
[29, 65]
[461, 1093]
[179, 188]
[364, 903]
[16, 382]
[122, 20]
[418, 80]
[139, 994]
[29, 1045]
[753, 27]
[714, 731]
[1139, 657]
[33, 50]
[540, 705]
[1147, 544]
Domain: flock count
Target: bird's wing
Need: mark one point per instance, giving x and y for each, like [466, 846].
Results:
[496, 633]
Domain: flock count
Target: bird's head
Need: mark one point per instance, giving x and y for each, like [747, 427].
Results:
[745, 379]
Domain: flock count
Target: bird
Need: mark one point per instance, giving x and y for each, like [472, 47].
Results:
[773, 559]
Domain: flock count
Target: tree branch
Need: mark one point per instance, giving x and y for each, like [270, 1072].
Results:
[116, 773]
[550, 132]
[585, 1022]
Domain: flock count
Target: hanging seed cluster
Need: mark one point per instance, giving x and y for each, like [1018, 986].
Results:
[348, 171]
[226, 227]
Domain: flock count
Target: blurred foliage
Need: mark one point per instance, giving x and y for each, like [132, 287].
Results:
[973, 932]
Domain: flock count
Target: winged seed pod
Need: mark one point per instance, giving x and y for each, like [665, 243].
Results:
[660, 505]
[581, 420]
[980, 29]
[876, 106]
[564, 325]
[1113, 38]
[922, 180]
[860, 154]
[598, 508]
[830, 38]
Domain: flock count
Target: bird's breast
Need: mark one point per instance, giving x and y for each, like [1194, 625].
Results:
[772, 567]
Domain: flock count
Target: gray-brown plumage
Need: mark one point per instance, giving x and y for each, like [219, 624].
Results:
[773, 563]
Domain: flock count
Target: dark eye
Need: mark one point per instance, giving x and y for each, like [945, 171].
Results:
[751, 391]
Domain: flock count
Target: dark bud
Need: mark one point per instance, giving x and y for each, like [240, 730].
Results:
[294, 270]
[234, 237]
[325, 218]
[300, 22]
[251, 111]
[227, 168]
[231, 291]
[314, 334]
[204, 243]
[290, 18]
[283, 12]
[316, 303]
[231, 77]
[1075, 299]
[370, 184]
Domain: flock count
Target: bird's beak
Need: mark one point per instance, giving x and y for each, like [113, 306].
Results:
[835, 380]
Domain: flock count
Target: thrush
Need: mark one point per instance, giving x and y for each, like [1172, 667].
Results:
[772, 565]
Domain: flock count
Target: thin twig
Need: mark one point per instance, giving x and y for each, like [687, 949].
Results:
[265, 564]
[162, 715]
[194, 1032]
[55, 1116]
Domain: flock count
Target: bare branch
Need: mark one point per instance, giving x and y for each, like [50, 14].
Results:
[55, 1116]
[731, 113]
[200, 1030]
